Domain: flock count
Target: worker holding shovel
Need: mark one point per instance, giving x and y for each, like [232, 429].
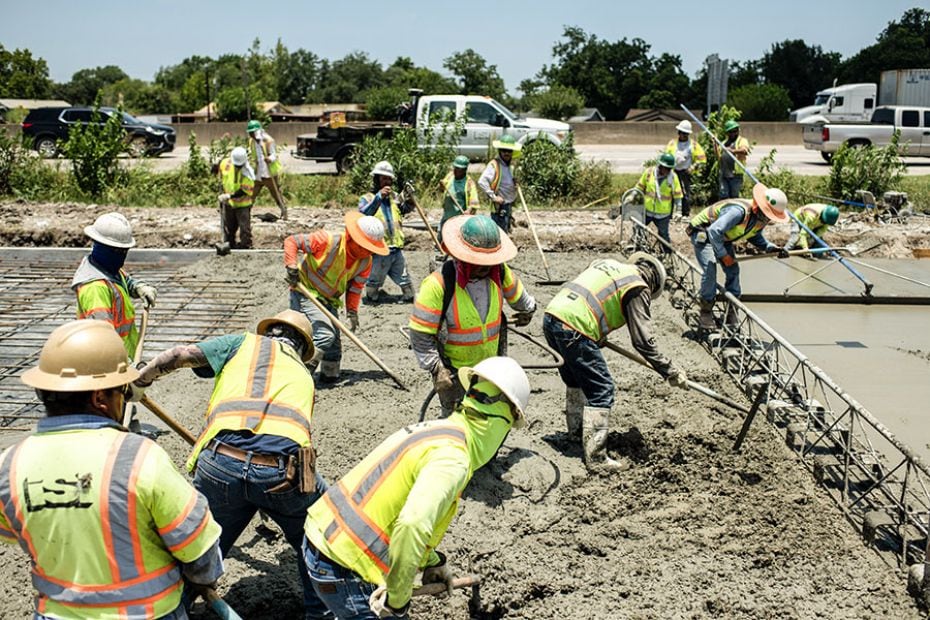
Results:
[460, 192]
[236, 201]
[498, 183]
[267, 164]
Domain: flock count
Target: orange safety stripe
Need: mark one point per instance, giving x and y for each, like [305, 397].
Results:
[104, 508]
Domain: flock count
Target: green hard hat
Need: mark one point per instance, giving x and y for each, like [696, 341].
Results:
[730, 125]
[253, 126]
[667, 160]
[481, 231]
[507, 143]
[460, 162]
[829, 215]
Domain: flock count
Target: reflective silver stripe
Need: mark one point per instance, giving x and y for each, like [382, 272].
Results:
[329, 259]
[614, 287]
[186, 528]
[259, 407]
[593, 303]
[473, 337]
[122, 527]
[261, 371]
[119, 593]
[330, 530]
[372, 539]
[6, 496]
[427, 317]
[100, 315]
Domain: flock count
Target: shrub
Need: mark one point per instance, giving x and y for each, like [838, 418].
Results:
[551, 173]
[93, 150]
[705, 187]
[799, 189]
[197, 166]
[381, 103]
[557, 102]
[873, 168]
[761, 102]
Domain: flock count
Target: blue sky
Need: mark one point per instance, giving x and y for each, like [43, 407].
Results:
[517, 36]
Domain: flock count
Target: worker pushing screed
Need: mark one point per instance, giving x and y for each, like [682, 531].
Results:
[254, 452]
[816, 217]
[603, 298]
[377, 527]
[333, 265]
[112, 529]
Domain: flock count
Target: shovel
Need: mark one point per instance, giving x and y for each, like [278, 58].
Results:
[435, 589]
[222, 247]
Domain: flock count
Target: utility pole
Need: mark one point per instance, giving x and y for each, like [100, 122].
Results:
[718, 74]
[206, 85]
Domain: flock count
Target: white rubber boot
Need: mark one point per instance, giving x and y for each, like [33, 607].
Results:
[574, 408]
[594, 440]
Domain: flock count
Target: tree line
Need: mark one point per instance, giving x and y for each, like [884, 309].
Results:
[586, 71]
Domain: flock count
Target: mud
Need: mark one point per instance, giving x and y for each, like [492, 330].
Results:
[691, 531]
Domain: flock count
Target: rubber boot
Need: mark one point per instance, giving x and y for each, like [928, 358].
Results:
[329, 371]
[314, 361]
[706, 318]
[731, 319]
[594, 441]
[407, 292]
[372, 294]
[574, 408]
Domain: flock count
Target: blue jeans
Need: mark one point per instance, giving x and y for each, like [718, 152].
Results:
[393, 265]
[326, 336]
[704, 252]
[730, 188]
[236, 490]
[661, 224]
[502, 216]
[343, 592]
[585, 366]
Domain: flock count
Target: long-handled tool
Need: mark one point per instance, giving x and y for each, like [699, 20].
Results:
[137, 356]
[594, 202]
[422, 213]
[529, 220]
[852, 251]
[222, 246]
[868, 285]
[276, 190]
[697, 387]
[746, 257]
[432, 589]
[348, 332]
[218, 605]
[163, 415]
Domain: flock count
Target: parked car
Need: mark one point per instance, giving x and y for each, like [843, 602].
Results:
[46, 127]
[913, 124]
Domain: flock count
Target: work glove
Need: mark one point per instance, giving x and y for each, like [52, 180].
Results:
[147, 293]
[728, 260]
[352, 317]
[379, 605]
[293, 276]
[440, 573]
[134, 392]
[442, 378]
[678, 378]
[224, 198]
[522, 319]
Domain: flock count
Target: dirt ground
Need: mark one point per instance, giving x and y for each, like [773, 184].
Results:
[692, 531]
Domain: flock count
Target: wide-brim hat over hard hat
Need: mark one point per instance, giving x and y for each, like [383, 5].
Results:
[684, 126]
[772, 201]
[656, 285]
[82, 356]
[365, 233]
[112, 229]
[510, 379]
[507, 143]
[291, 318]
[477, 240]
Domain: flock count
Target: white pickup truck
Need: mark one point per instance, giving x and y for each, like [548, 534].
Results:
[913, 124]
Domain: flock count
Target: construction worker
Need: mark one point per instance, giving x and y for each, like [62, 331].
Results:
[103, 287]
[383, 203]
[604, 297]
[237, 198]
[267, 165]
[254, 452]
[715, 229]
[112, 529]
[661, 193]
[818, 217]
[689, 154]
[736, 147]
[459, 192]
[334, 264]
[498, 183]
[372, 531]
[458, 315]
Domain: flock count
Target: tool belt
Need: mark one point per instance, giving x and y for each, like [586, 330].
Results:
[299, 469]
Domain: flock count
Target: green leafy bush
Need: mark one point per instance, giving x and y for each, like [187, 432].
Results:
[93, 150]
[800, 189]
[197, 167]
[552, 173]
[873, 168]
[761, 102]
[557, 102]
[381, 103]
[705, 186]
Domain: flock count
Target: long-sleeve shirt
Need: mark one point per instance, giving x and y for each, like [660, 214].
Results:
[637, 309]
[350, 282]
[730, 216]
[506, 187]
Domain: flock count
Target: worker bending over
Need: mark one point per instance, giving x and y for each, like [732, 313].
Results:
[817, 217]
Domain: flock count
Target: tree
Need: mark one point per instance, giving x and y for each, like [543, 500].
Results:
[138, 97]
[404, 74]
[475, 75]
[346, 80]
[801, 68]
[381, 103]
[237, 103]
[296, 73]
[174, 77]
[86, 84]
[904, 44]
[557, 102]
[22, 76]
[761, 102]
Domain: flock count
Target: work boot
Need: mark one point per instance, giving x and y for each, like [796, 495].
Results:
[283, 212]
[731, 319]
[372, 294]
[706, 318]
[329, 372]
[314, 361]
[574, 407]
[407, 292]
[594, 441]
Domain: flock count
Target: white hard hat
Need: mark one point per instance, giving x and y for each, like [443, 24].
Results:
[684, 126]
[384, 169]
[510, 379]
[371, 227]
[239, 156]
[657, 284]
[112, 229]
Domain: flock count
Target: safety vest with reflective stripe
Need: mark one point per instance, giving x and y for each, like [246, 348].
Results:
[496, 179]
[659, 197]
[354, 520]
[233, 181]
[698, 156]
[265, 388]
[397, 239]
[328, 276]
[106, 519]
[104, 300]
[749, 226]
[264, 148]
[809, 215]
[592, 303]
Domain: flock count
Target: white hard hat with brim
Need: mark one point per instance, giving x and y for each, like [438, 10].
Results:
[776, 212]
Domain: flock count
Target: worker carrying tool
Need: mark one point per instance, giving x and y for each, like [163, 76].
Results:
[334, 265]
[688, 154]
[662, 194]
[459, 191]
[255, 451]
[498, 183]
[112, 529]
[385, 204]
[715, 229]
[458, 315]
[372, 531]
[818, 217]
[104, 289]
[604, 297]
[736, 147]
[267, 165]
[238, 195]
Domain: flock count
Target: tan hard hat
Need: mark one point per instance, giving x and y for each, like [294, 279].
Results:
[297, 320]
[81, 356]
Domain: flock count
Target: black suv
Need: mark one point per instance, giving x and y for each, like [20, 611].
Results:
[44, 127]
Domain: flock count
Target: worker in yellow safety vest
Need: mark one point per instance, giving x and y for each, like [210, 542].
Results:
[603, 298]
[735, 148]
[375, 529]
[254, 452]
[333, 265]
[385, 204]
[238, 195]
[498, 183]
[689, 154]
[267, 164]
[458, 317]
[715, 229]
[661, 193]
[818, 217]
[459, 192]
[112, 529]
